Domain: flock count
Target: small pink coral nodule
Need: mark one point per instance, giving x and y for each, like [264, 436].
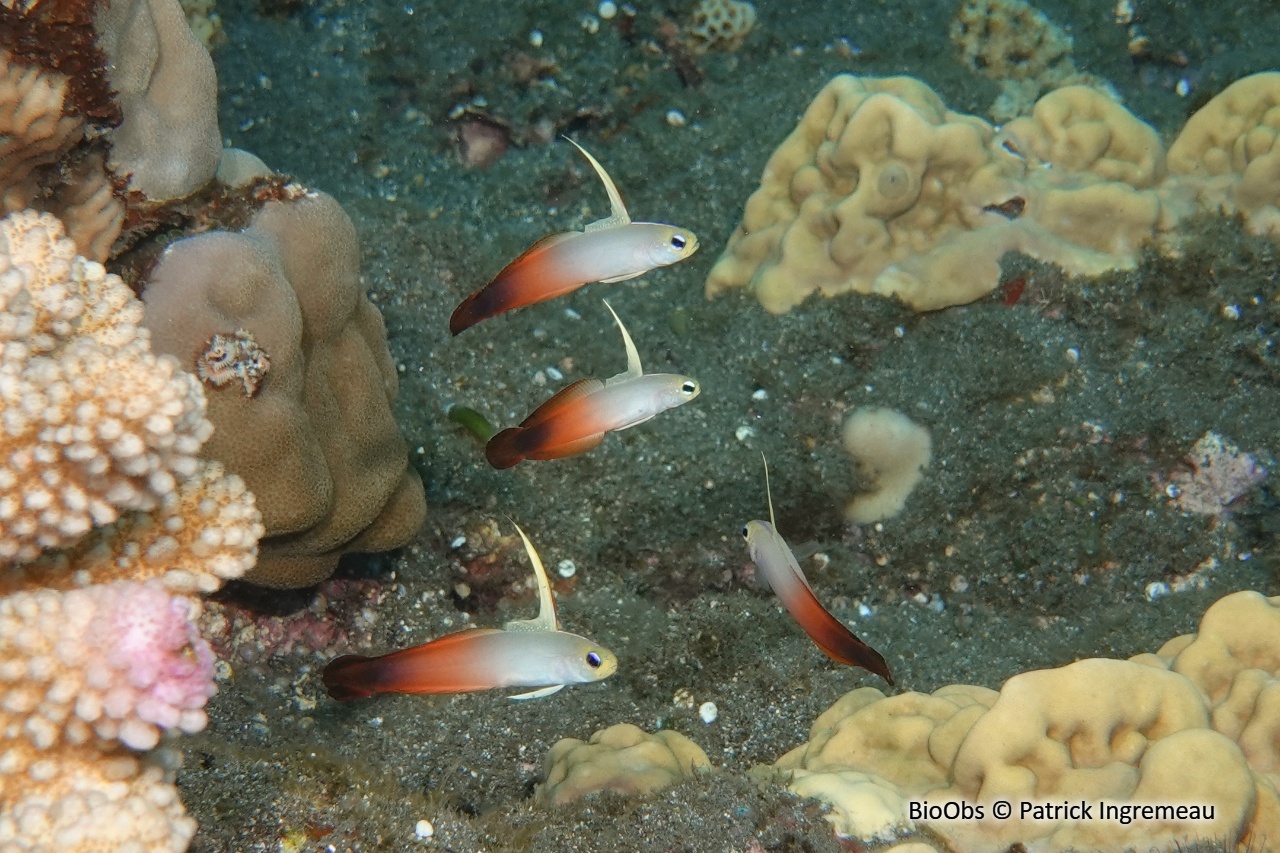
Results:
[1220, 475]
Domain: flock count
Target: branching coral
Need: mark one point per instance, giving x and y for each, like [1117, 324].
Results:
[106, 516]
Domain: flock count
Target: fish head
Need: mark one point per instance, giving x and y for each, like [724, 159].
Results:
[584, 661]
[670, 245]
[756, 533]
[673, 389]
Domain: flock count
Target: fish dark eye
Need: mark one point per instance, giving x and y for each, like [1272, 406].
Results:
[678, 242]
[593, 660]
[689, 387]
[745, 534]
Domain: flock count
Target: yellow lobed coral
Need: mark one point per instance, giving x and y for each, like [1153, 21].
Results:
[1196, 723]
[622, 758]
[1228, 152]
[316, 442]
[881, 189]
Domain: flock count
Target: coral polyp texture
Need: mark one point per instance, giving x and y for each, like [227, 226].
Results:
[719, 25]
[1018, 46]
[1194, 723]
[882, 190]
[107, 516]
[95, 423]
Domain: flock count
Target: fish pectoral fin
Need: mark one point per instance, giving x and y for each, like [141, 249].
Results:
[618, 278]
[635, 423]
[571, 448]
[567, 394]
[537, 694]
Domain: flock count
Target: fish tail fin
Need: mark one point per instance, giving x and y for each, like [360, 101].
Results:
[467, 314]
[854, 652]
[502, 450]
[349, 677]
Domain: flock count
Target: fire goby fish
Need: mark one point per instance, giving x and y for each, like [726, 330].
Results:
[526, 653]
[608, 250]
[774, 560]
[577, 417]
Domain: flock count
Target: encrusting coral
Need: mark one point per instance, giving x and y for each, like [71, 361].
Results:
[1193, 724]
[107, 516]
[881, 189]
[1018, 46]
[622, 758]
[719, 25]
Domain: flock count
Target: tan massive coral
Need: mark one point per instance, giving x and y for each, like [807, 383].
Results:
[882, 189]
[168, 143]
[316, 442]
[1195, 724]
[96, 98]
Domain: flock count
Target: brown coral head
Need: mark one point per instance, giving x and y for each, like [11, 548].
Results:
[226, 358]
[481, 141]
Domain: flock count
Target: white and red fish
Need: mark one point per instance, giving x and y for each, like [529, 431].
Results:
[576, 419]
[774, 560]
[525, 653]
[608, 250]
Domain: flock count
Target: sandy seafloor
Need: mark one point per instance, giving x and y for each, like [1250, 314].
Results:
[354, 98]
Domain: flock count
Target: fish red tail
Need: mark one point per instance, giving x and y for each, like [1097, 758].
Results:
[469, 312]
[349, 677]
[503, 449]
[854, 652]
